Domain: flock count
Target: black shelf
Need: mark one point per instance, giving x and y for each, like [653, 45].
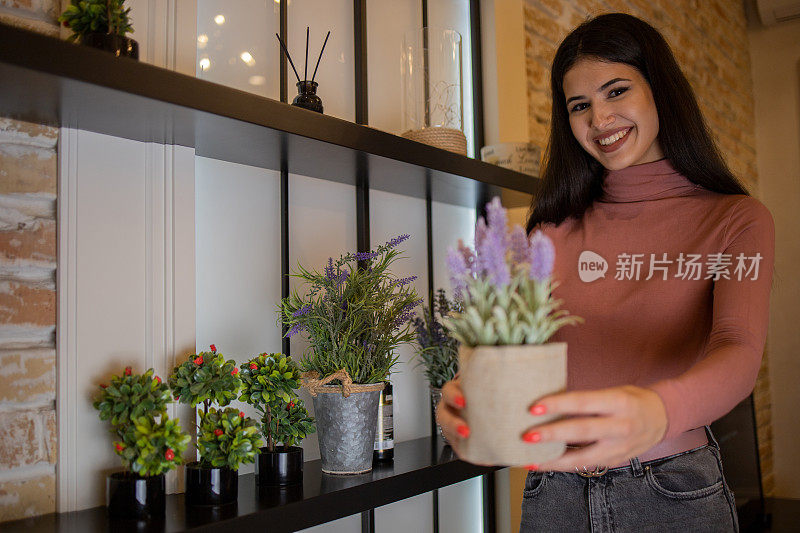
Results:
[419, 466]
[50, 81]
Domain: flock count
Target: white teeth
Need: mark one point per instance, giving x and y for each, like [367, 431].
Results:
[614, 138]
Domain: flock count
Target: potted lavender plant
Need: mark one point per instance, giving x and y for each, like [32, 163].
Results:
[438, 351]
[508, 314]
[355, 314]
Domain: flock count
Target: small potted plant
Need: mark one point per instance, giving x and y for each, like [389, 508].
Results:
[148, 443]
[438, 351]
[226, 438]
[355, 314]
[508, 314]
[101, 24]
[270, 385]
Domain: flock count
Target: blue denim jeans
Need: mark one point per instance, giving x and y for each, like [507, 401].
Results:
[683, 492]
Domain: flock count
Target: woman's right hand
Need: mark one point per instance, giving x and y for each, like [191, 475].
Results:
[448, 414]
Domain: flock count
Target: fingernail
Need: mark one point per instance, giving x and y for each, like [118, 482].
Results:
[460, 401]
[463, 431]
[532, 467]
[538, 409]
[532, 436]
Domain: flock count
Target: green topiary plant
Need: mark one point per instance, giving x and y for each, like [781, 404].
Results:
[270, 385]
[227, 438]
[205, 378]
[131, 403]
[90, 16]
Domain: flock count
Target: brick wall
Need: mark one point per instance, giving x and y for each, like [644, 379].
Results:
[28, 182]
[709, 40]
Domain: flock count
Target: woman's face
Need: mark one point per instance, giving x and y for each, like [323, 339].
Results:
[612, 113]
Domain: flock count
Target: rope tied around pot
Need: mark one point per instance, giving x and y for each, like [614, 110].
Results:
[311, 381]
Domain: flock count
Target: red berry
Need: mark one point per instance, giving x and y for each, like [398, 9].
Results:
[119, 447]
[218, 432]
[234, 371]
[198, 360]
[291, 404]
[253, 366]
[213, 348]
[127, 371]
[103, 385]
[158, 379]
[241, 414]
[66, 24]
[169, 455]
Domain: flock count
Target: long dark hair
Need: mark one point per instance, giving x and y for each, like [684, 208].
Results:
[571, 178]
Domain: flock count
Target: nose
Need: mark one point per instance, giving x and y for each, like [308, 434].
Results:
[602, 117]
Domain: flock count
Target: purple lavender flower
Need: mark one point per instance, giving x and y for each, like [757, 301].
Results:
[458, 269]
[366, 256]
[343, 276]
[407, 313]
[519, 245]
[492, 259]
[302, 311]
[297, 328]
[397, 240]
[542, 256]
[402, 281]
[496, 217]
[480, 231]
[330, 272]
[469, 257]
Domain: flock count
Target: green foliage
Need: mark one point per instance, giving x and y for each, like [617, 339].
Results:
[438, 351]
[355, 314]
[205, 378]
[521, 312]
[227, 438]
[270, 385]
[89, 16]
[131, 403]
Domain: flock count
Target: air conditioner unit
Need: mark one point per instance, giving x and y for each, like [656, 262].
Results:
[775, 11]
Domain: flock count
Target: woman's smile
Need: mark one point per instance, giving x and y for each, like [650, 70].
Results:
[613, 140]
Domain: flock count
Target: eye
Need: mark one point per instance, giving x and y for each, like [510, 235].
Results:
[579, 107]
[618, 91]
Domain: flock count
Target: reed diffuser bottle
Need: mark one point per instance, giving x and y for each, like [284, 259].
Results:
[307, 97]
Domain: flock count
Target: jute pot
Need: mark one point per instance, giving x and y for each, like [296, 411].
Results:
[500, 383]
[346, 418]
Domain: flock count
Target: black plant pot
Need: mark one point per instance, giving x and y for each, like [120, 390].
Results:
[282, 467]
[211, 486]
[118, 45]
[307, 96]
[131, 496]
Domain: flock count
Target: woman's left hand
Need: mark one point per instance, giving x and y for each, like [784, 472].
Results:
[619, 423]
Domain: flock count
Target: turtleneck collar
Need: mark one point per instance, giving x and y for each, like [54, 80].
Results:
[648, 181]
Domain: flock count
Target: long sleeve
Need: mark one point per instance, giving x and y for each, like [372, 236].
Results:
[727, 370]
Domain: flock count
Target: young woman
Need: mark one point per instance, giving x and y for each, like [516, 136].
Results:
[675, 317]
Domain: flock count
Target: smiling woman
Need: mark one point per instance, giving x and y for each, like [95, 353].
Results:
[674, 339]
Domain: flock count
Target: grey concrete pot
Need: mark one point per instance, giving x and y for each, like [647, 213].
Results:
[436, 397]
[346, 429]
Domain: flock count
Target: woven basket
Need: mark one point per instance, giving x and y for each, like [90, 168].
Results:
[447, 138]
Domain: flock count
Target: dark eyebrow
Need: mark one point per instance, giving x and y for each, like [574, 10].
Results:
[602, 88]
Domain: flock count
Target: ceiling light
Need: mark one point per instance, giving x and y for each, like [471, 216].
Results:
[247, 58]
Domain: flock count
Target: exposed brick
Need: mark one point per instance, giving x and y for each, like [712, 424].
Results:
[542, 24]
[27, 169]
[37, 242]
[29, 497]
[28, 376]
[44, 10]
[22, 304]
[25, 439]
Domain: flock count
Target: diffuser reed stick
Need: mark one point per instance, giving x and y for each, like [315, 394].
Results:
[320, 55]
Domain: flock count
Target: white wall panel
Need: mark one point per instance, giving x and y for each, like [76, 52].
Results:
[412, 514]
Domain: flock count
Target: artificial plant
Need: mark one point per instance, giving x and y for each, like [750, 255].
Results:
[226, 438]
[270, 385]
[438, 351]
[206, 378]
[96, 16]
[148, 441]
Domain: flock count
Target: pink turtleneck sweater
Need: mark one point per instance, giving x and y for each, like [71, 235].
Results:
[695, 340]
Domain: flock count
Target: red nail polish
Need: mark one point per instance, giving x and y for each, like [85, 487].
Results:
[532, 467]
[538, 409]
[532, 436]
[463, 431]
[460, 401]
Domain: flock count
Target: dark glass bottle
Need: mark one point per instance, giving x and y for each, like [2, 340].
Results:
[307, 96]
[384, 436]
